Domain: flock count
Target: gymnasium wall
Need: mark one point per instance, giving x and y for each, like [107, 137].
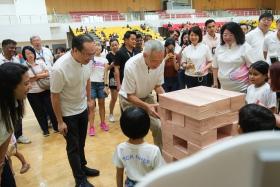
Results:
[66, 6]
[234, 4]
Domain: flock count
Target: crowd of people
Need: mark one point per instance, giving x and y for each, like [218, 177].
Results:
[65, 89]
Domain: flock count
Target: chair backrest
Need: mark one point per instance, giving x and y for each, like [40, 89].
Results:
[249, 160]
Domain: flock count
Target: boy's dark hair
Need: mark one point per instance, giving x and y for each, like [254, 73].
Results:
[78, 41]
[266, 15]
[253, 117]
[135, 123]
[128, 34]
[209, 21]
[260, 66]
[7, 42]
[236, 30]
[197, 31]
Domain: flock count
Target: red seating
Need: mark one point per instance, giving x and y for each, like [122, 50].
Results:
[165, 15]
[244, 12]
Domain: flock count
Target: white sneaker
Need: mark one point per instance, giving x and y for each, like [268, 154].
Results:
[24, 140]
[111, 118]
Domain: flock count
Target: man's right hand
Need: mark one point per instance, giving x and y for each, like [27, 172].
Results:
[152, 110]
[62, 127]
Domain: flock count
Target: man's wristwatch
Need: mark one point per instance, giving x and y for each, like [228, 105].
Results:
[106, 85]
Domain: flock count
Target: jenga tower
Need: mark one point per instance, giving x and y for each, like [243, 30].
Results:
[191, 119]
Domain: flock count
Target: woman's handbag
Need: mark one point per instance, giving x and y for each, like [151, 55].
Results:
[43, 83]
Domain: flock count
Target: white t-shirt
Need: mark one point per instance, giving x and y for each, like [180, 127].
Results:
[39, 68]
[211, 42]
[46, 55]
[233, 64]
[255, 39]
[199, 55]
[4, 60]
[69, 78]
[139, 79]
[137, 160]
[98, 67]
[272, 46]
[263, 95]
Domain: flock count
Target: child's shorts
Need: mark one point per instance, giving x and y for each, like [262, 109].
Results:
[130, 183]
[97, 90]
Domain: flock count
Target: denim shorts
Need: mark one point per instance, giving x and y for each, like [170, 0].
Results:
[97, 90]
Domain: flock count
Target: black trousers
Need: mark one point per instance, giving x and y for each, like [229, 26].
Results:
[196, 81]
[42, 107]
[75, 140]
[18, 129]
[7, 177]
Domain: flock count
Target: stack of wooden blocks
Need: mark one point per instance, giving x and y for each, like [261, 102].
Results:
[194, 118]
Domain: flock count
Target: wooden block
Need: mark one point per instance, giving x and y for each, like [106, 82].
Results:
[237, 99]
[195, 104]
[167, 156]
[210, 123]
[179, 153]
[164, 114]
[178, 119]
[194, 148]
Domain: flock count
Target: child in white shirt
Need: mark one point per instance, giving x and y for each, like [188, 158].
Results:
[99, 89]
[135, 156]
[259, 91]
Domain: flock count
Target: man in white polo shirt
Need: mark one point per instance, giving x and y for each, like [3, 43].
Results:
[70, 93]
[256, 37]
[271, 46]
[8, 55]
[144, 73]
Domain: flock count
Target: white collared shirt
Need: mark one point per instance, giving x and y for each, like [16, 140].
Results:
[272, 46]
[140, 80]
[46, 55]
[233, 64]
[199, 55]
[4, 60]
[255, 39]
[211, 42]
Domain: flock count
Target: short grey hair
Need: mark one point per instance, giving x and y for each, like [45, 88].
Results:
[153, 45]
[33, 37]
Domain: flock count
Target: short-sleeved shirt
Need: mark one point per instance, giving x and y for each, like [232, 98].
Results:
[262, 94]
[139, 79]
[38, 68]
[3, 59]
[211, 42]
[199, 55]
[97, 69]
[122, 57]
[137, 160]
[255, 39]
[272, 46]
[233, 64]
[69, 79]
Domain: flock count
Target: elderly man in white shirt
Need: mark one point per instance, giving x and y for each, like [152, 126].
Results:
[256, 37]
[42, 52]
[144, 73]
[271, 46]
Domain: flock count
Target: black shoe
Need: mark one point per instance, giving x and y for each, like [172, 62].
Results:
[45, 134]
[84, 183]
[90, 171]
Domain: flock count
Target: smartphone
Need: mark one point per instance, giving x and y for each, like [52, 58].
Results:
[274, 59]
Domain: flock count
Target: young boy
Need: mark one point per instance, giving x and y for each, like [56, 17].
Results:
[253, 117]
[135, 156]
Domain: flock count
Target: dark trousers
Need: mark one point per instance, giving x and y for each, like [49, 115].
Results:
[75, 140]
[7, 177]
[196, 81]
[18, 129]
[181, 79]
[42, 107]
[170, 84]
[210, 79]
